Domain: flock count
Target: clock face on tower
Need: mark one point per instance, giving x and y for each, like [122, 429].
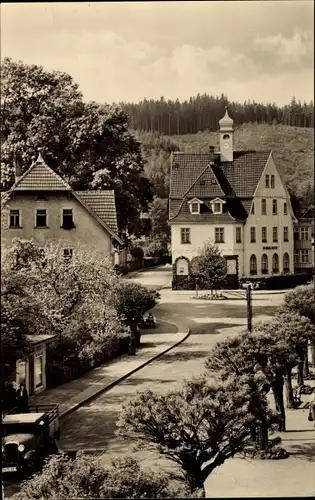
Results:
[226, 146]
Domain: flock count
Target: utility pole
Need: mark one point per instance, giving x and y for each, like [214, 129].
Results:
[196, 281]
[249, 308]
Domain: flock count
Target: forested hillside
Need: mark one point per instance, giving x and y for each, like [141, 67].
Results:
[203, 112]
[293, 149]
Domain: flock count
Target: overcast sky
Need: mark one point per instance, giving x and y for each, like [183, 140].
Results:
[262, 50]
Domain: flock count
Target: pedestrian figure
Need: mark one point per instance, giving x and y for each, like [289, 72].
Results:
[131, 342]
[22, 398]
[311, 415]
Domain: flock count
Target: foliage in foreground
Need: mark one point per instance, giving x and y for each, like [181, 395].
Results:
[85, 477]
[301, 300]
[197, 427]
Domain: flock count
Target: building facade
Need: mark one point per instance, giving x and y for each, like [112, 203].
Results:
[304, 243]
[32, 370]
[42, 207]
[236, 199]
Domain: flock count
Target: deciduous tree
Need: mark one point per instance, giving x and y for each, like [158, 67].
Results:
[301, 300]
[89, 145]
[197, 427]
[132, 301]
[289, 334]
[77, 295]
[245, 354]
[209, 266]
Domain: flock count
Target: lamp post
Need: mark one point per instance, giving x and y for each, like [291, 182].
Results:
[196, 280]
[249, 308]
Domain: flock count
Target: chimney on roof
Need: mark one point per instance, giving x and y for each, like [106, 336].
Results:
[40, 157]
[211, 153]
[17, 168]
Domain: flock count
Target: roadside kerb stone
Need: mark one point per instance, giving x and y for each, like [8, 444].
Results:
[85, 400]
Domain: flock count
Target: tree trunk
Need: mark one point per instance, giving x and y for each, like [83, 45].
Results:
[194, 476]
[253, 433]
[132, 344]
[306, 368]
[263, 434]
[289, 388]
[300, 375]
[137, 337]
[279, 403]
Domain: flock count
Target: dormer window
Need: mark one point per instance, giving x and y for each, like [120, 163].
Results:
[217, 205]
[194, 206]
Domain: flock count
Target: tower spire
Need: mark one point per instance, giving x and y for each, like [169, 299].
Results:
[226, 137]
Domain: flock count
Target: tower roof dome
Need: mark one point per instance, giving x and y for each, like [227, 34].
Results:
[226, 121]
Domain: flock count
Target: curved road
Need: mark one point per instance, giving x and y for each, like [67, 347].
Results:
[92, 427]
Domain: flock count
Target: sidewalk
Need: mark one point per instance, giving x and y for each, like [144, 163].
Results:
[292, 477]
[73, 394]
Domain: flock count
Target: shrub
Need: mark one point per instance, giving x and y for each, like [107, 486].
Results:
[137, 252]
[85, 477]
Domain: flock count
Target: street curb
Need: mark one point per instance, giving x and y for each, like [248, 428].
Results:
[116, 382]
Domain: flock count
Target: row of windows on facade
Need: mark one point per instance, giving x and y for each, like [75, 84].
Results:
[41, 219]
[67, 253]
[274, 207]
[301, 256]
[264, 263]
[219, 235]
[217, 207]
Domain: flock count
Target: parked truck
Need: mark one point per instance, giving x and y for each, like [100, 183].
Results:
[27, 438]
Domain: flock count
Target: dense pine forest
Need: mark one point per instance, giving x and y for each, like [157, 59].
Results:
[203, 112]
[293, 149]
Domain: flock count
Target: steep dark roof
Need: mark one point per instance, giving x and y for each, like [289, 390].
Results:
[206, 177]
[308, 214]
[239, 177]
[206, 214]
[40, 177]
[186, 169]
[103, 204]
[206, 185]
[232, 210]
[244, 173]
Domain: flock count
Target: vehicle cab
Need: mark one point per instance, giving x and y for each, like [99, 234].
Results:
[27, 437]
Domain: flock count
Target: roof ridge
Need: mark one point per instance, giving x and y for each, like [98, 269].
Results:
[95, 191]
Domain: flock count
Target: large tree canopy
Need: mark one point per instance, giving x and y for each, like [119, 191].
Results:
[197, 427]
[89, 145]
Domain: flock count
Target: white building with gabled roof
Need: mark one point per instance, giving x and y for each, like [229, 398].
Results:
[237, 199]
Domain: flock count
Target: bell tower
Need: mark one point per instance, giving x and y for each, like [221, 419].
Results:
[226, 137]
